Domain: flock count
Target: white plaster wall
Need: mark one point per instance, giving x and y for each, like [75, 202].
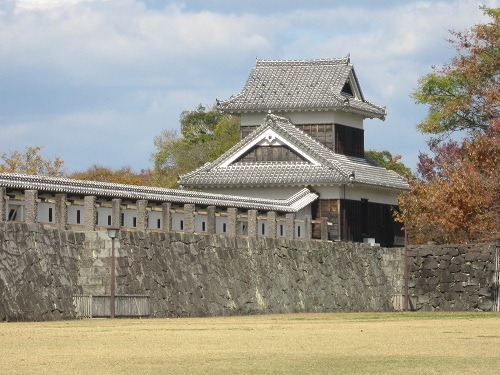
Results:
[316, 117]
[261, 228]
[261, 192]
[219, 224]
[242, 226]
[280, 229]
[73, 215]
[357, 193]
[303, 212]
[104, 216]
[198, 223]
[299, 230]
[13, 204]
[46, 212]
[153, 217]
[176, 220]
[128, 217]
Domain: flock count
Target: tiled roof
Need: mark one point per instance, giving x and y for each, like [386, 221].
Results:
[279, 85]
[101, 189]
[332, 169]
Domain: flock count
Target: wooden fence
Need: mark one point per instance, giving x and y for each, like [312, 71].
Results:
[99, 306]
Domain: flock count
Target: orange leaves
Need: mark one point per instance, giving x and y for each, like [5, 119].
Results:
[456, 195]
[461, 202]
[31, 162]
[123, 175]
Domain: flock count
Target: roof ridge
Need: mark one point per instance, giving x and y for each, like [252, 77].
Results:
[324, 61]
[54, 184]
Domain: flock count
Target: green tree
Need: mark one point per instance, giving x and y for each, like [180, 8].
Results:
[385, 159]
[464, 94]
[205, 135]
[31, 162]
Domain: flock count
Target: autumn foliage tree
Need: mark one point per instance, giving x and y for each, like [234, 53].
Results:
[125, 175]
[455, 196]
[31, 162]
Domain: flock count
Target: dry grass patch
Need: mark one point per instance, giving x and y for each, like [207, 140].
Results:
[370, 343]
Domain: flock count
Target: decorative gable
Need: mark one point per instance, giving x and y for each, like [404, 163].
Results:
[270, 153]
[347, 89]
[318, 165]
[265, 144]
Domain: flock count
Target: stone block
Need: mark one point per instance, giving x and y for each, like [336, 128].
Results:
[465, 249]
[31, 206]
[453, 252]
[89, 212]
[454, 268]
[466, 267]
[433, 280]
[478, 265]
[444, 264]
[116, 218]
[290, 226]
[458, 288]
[484, 291]
[61, 211]
[232, 219]
[166, 215]
[189, 218]
[252, 223]
[428, 273]
[445, 287]
[430, 264]
[485, 304]
[307, 227]
[486, 257]
[271, 224]
[142, 214]
[471, 289]
[211, 221]
[446, 277]
[459, 277]
[472, 256]
[3, 204]
[425, 251]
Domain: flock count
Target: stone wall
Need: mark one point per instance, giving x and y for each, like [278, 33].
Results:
[208, 275]
[199, 275]
[38, 272]
[191, 275]
[453, 277]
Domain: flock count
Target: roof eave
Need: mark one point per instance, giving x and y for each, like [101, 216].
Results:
[366, 114]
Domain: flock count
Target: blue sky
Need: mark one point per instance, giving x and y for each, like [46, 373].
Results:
[93, 81]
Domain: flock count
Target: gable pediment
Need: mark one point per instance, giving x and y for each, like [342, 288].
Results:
[275, 153]
[272, 142]
[351, 87]
[347, 89]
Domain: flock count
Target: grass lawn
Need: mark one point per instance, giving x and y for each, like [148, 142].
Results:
[356, 343]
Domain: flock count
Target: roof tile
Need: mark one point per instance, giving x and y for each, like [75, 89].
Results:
[300, 84]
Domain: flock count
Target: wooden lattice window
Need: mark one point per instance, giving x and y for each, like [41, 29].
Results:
[246, 130]
[349, 141]
[323, 133]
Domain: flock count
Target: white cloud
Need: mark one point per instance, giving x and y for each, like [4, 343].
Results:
[87, 65]
[35, 5]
